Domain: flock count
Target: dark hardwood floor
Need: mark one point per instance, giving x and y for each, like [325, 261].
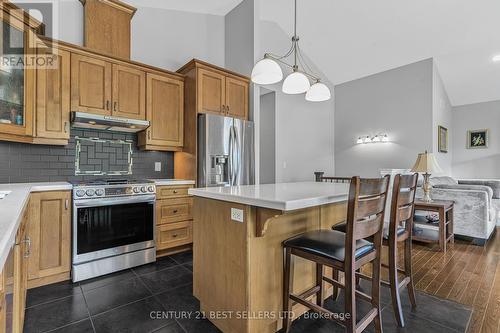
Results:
[467, 274]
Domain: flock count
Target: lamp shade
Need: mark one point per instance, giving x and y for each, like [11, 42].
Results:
[296, 83]
[426, 163]
[266, 71]
[318, 92]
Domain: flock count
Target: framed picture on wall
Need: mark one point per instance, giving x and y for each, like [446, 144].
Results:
[477, 138]
[442, 139]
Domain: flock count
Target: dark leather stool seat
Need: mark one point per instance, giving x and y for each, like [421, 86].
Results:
[327, 243]
[342, 227]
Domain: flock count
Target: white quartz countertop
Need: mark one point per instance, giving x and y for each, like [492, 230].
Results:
[12, 206]
[171, 182]
[282, 196]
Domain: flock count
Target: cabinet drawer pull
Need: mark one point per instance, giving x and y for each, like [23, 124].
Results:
[174, 235]
[175, 211]
[175, 191]
[114, 107]
[27, 240]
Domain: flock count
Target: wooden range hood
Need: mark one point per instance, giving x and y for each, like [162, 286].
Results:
[107, 26]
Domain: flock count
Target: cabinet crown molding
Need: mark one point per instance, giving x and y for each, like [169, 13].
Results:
[116, 4]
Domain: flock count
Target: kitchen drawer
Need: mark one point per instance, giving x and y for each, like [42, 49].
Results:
[174, 234]
[163, 192]
[173, 210]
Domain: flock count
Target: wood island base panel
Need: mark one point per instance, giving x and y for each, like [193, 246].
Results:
[238, 269]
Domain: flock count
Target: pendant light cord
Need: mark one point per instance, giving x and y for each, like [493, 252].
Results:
[295, 37]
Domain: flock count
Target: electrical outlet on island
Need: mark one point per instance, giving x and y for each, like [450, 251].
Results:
[157, 166]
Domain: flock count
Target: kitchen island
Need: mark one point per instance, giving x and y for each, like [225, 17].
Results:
[238, 253]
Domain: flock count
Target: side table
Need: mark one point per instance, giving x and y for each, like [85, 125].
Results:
[444, 232]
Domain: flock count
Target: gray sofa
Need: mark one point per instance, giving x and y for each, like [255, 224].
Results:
[477, 204]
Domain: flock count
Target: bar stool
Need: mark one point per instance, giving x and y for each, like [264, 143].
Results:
[402, 210]
[343, 252]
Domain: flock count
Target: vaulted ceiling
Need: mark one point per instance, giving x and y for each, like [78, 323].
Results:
[352, 39]
[355, 38]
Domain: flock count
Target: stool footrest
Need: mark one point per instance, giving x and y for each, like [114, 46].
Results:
[316, 308]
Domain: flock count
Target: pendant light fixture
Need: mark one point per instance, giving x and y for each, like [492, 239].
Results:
[268, 71]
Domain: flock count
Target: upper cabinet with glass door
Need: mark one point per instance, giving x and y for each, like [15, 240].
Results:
[16, 74]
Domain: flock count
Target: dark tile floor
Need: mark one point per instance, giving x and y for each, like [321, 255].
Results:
[125, 302]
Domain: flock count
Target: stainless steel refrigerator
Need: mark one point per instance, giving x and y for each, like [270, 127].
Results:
[225, 151]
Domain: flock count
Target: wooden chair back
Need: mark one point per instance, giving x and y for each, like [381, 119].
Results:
[365, 209]
[403, 203]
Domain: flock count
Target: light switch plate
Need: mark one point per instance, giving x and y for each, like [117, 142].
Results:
[237, 215]
[158, 166]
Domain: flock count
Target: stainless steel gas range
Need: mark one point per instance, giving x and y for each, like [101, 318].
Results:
[113, 226]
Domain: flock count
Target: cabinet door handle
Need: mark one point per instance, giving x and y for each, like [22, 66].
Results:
[114, 106]
[107, 105]
[66, 127]
[66, 204]
[149, 135]
[27, 240]
[175, 191]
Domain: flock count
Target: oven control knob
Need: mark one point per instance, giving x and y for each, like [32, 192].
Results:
[99, 192]
[80, 193]
[143, 189]
[137, 189]
[151, 188]
[90, 192]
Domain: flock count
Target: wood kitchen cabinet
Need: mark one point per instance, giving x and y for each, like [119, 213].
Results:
[165, 112]
[17, 82]
[237, 98]
[91, 84]
[50, 234]
[209, 89]
[53, 98]
[174, 219]
[211, 92]
[221, 92]
[102, 87]
[3, 303]
[22, 251]
[107, 26]
[129, 92]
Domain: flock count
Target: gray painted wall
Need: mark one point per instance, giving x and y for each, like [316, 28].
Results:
[169, 39]
[20, 162]
[239, 38]
[268, 138]
[160, 37]
[304, 130]
[441, 116]
[476, 163]
[397, 102]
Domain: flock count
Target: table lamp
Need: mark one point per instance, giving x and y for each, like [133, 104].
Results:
[426, 163]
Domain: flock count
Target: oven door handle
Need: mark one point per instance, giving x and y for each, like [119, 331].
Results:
[113, 201]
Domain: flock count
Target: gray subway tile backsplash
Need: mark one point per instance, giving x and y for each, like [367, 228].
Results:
[20, 162]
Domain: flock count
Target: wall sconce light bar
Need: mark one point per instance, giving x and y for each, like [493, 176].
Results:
[379, 138]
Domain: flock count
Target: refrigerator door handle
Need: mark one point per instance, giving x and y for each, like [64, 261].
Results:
[230, 157]
[238, 155]
[234, 156]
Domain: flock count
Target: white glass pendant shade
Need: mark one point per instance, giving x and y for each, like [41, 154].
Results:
[266, 71]
[318, 92]
[296, 83]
